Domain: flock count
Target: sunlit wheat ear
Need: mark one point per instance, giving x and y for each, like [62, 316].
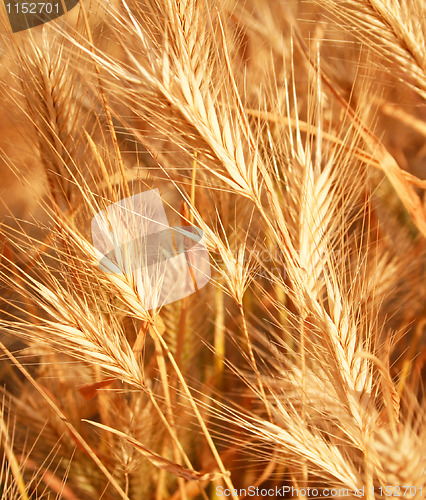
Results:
[395, 32]
[191, 94]
[399, 459]
[55, 104]
[189, 91]
[316, 202]
[235, 268]
[67, 316]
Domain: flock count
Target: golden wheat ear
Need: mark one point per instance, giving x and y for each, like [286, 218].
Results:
[396, 33]
[52, 97]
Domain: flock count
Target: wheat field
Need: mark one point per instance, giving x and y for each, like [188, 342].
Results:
[292, 134]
